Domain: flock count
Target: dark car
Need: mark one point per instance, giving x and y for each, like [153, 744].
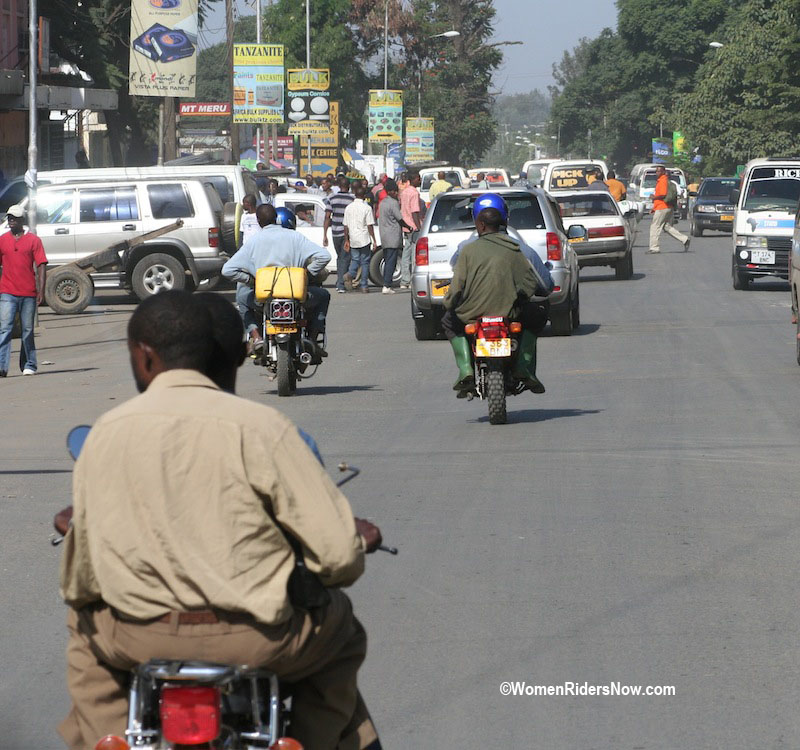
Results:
[711, 207]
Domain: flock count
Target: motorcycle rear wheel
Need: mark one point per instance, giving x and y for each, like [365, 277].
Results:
[496, 396]
[287, 377]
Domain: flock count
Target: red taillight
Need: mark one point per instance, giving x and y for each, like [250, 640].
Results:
[606, 232]
[553, 246]
[213, 237]
[493, 331]
[286, 743]
[421, 252]
[112, 742]
[190, 715]
[470, 329]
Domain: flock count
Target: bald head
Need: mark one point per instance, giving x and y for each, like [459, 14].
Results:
[266, 214]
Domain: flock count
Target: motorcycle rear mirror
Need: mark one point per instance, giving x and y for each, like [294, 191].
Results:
[577, 232]
[76, 438]
[734, 196]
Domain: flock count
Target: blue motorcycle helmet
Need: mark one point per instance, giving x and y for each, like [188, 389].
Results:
[286, 218]
[490, 200]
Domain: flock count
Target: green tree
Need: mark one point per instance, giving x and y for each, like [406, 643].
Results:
[746, 102]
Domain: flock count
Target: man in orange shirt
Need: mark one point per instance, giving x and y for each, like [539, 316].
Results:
[615, 187]
[663, 214]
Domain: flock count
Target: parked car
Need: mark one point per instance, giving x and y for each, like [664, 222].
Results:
[533, 213]
[456, 176]
[495, 176]
[232, 182]
[610, 236]
[77, 220]
[764, 220]
[711, 206]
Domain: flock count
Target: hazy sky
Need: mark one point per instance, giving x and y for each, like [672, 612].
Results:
[547, 28]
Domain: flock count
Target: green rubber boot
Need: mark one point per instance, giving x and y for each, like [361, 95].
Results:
[525, 366]
[466, 376]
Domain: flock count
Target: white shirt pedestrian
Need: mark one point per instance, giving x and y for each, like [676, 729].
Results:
[357, 217]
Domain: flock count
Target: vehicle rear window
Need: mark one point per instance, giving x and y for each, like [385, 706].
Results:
[594, 204]
[452, 177]
[536, 173]
[451, 215]
[650, 178]
[717, 188]
[108, 204]
[773, 188]
[222, 186]
[570, 176]
[169, 201]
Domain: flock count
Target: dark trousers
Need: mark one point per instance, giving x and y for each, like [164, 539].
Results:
[389, 264]
[532, 315]
[342, 260]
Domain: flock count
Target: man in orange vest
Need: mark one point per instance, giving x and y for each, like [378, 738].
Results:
[663, 214]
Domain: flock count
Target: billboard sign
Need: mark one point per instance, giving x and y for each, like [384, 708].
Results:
[163, 56]
[308, 92]
[324, 147]
[385, 116]
[205, 109]
[662, 150]
[419, 140]
[257, 83]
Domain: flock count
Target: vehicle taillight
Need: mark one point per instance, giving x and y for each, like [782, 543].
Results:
[553, 247]
[286, 743]
[493, 329]
[112, 742]
[606, 232]
[190, 715]
[213, 237]
[421, 252]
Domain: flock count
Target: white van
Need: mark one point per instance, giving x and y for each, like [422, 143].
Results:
[766, 205]
[456, 176]
[533, 171]
[231, 181]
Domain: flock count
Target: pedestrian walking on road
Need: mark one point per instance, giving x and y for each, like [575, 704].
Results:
[334, 214]
[391, 225]
[664, 212]
[248, 226]
[21, 289]
[359, 237]
[409, 205]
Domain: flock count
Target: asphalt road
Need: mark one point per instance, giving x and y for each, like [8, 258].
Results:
[636, 524]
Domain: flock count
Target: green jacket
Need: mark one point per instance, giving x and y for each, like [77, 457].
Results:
[490, 274]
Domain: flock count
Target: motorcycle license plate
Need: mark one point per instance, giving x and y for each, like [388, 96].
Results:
[726, 217]
[280, 328]
[439, 291]
[493, 348]
[762, 256]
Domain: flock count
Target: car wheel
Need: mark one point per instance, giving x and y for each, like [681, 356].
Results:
[425, 328]
[576, 309]
[741, 281]
[561, 319]
[376, 269]
[230, 224]
[623, 269]
[156, 273]
[68, 290]
[695, 230]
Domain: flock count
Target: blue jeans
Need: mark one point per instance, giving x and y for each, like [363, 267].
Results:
[361, 256]
[246, 302]
[389, 264]
[342, 260]
[10, 305]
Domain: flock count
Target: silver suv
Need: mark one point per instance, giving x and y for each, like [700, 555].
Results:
[77, 220]
[533, 213]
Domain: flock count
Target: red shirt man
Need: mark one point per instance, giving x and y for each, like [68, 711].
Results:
[21, 289]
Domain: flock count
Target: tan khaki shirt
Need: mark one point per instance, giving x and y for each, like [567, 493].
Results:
[174, 496]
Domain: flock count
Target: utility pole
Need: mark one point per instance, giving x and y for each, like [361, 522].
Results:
[308, 66]
[170, 141]
[386, 73]
[258, 41]
[33, 152]
[229, 36]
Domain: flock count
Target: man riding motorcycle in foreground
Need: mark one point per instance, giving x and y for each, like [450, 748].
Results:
[492, 277]
[277, 245]
[186, 500]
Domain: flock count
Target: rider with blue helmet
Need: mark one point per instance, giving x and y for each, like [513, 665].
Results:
[492, 277]
[277, 245]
